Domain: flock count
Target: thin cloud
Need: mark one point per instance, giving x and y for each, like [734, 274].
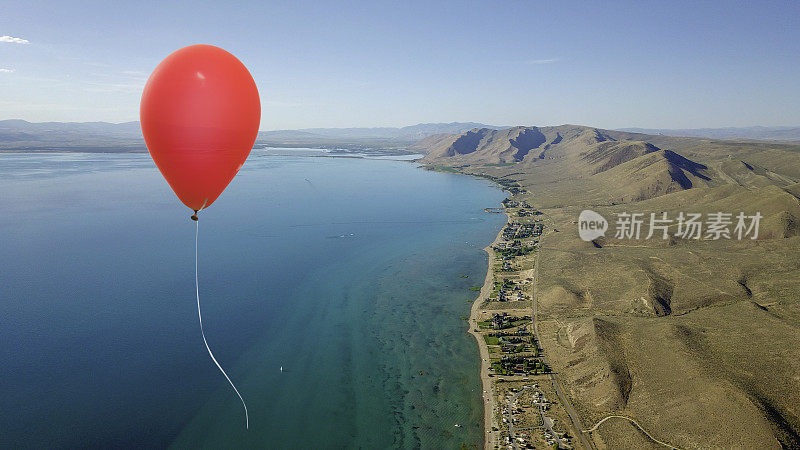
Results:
[544, 61]
[6, 70]
[14, 40]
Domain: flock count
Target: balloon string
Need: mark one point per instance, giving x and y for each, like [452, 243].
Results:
[200, 316]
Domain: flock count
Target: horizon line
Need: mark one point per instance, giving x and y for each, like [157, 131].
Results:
[442, 123]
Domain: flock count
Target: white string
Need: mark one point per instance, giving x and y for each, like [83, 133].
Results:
[197, 290]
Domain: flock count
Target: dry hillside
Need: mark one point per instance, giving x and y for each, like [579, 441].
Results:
[696, 339]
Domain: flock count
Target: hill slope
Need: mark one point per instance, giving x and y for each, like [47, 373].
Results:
[397, 136]
[694, 338]
[769, 133]
[595, 156]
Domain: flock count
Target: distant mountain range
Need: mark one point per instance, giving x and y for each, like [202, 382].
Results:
[21, 135]
[18, 134]
[760, 133]
[388, 135]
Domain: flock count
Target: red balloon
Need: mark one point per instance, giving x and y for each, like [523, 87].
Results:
[200, 114]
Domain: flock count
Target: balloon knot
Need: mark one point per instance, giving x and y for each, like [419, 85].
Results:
[194, 216]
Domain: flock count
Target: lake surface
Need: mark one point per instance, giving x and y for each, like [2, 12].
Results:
[343, 271]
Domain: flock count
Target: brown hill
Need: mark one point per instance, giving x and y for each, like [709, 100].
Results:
[694, 338]
[486, 145]
[607, 154]
[593, 156]
[652, 174]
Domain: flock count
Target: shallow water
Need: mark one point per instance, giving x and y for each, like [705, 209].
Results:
[344, 271]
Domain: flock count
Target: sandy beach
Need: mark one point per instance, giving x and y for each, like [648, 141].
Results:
[489, 419]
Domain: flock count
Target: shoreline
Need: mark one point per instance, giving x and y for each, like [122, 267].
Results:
[489, 421]
[492, 401]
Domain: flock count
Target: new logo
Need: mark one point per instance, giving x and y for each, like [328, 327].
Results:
[591, 225]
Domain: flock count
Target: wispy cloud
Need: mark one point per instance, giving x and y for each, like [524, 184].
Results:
[14, 40]
[543, 61]
[6, 70]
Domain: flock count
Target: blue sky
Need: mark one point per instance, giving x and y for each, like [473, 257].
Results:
[669, 64]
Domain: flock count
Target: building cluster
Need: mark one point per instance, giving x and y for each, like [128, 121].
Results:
[511, 186]
[517, 230]
[501, 321]
[519, 238]
[524, 410]
[519, 365]
[527, 212]
[514, 353]
[512, 344]
[509, 290]
[508, 203]
[512, 244]
[552, 437]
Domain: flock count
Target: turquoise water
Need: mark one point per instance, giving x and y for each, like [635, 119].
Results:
[343, 271]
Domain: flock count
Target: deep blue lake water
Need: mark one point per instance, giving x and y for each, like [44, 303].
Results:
[343, 271]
